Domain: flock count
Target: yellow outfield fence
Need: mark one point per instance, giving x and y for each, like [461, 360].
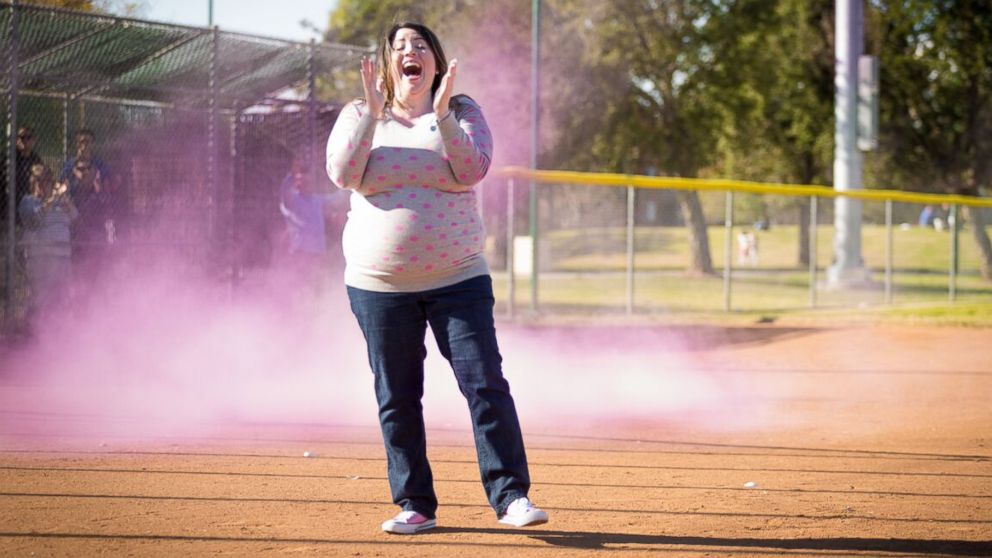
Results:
[724, 185]
[528, 264]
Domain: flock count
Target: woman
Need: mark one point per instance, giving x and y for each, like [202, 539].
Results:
[46, 213]
[411, 153]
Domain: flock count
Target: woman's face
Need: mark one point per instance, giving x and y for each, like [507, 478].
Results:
[412, 64]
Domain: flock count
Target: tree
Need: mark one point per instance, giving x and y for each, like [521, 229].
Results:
[120, 7]
[653, 110]
[936, 105]
[774, 74]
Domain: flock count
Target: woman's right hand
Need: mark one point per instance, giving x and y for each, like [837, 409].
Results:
[374, 99]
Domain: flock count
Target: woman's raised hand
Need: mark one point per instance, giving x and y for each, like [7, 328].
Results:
[443, 95]
[374, 98]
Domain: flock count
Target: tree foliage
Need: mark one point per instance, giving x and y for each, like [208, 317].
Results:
[937, 99]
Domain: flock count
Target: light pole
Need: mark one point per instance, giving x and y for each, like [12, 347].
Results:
[848, 267]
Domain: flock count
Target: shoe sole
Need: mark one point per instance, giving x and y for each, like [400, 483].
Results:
[409, 529]
[526, 521]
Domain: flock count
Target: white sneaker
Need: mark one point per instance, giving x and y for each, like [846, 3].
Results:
[522, 513]
[408, 523]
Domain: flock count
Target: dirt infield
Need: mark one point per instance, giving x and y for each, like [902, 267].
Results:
[754, 441]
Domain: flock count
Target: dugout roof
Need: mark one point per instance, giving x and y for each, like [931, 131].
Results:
[77, 54]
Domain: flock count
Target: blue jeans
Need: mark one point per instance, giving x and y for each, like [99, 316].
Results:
[461, 317]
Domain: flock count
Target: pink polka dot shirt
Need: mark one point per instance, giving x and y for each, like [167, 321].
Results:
[414, 223]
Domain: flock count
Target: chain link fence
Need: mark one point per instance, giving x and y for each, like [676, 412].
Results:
[170, 142]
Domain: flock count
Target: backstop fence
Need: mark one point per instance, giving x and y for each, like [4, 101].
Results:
[172, 139]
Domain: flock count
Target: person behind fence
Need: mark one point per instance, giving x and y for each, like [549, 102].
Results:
[95, 231]
[46, 214]
[27, 159]
[413, 244]
[85, 150]
[304, 211]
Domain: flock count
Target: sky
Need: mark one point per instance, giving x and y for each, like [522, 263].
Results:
[270, 18]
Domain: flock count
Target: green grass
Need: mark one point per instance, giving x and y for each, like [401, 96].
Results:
[777, 289]
[599, 249]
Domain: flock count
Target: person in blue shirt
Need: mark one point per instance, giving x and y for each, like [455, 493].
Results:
[85, 146]
[305, 213]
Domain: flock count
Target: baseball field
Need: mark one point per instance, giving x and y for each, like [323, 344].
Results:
[643, 441]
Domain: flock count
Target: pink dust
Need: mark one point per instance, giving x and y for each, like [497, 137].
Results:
[162, 357]
[162, 352]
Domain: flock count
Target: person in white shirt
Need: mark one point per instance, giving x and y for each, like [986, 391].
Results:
[412, 155]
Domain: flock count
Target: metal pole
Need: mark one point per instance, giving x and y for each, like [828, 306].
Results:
[535, 113]
[214, 207]
[237, 175]
[210, 13]
[728, 223]
[312, 111]
[848, 267]
[11, 170]
[65, 127]
[510, 272]
[812, 251]
[952, 290]
[631, 193]
[888, 251]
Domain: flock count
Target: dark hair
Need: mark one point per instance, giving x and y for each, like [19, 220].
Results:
[84, 132]
[387, 45]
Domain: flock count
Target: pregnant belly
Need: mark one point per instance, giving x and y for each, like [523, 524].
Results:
[413, 239]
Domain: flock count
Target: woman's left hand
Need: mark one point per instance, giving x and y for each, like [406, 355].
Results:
[443, 95]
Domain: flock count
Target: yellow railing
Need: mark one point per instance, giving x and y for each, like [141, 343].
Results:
[724, 185]
[729, 187]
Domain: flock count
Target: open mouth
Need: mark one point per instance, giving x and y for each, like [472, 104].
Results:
[412, 69]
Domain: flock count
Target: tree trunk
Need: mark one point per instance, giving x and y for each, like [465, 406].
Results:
[803, 209]
[977, 217]
[699, 246]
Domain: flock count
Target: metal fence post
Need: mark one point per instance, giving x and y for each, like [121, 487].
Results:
[65, 127]
[237, 174]
[888, 251]
[214, 206]
[510, 272]
[631, 204]
[11, 170]
[312, 111]
[812, 251]
[952, 289]
[535, 261]
[728, 223]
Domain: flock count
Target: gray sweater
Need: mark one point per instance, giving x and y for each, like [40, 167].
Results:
[414, 223]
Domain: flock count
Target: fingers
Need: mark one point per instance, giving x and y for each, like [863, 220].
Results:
[445, 88]
[452, 67]
[372, 84]
[368, 72]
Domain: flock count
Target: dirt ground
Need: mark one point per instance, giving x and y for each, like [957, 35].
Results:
[863, 441]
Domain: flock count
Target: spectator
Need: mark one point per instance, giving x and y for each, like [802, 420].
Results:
[926, 216]
[95, 231]
[26, 159]
[46, 213]
[85, 144]
[306, 222]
